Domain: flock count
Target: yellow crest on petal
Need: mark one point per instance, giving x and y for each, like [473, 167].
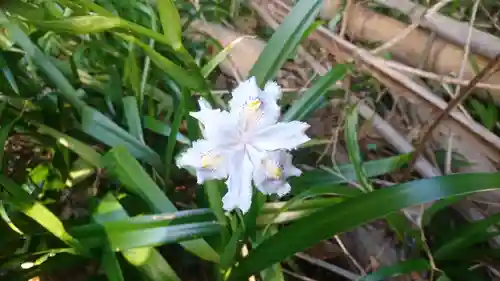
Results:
[273, 170]
[209, 161]
[254, 105]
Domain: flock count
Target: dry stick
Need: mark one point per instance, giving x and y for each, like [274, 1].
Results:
[447, 28]
[331, 267]
[485, 72]
[460, 76]
[467, 44]
[298, 276]
[433, 76]
[343, 29]
[348, 254]
[410, 28]
[448, 90]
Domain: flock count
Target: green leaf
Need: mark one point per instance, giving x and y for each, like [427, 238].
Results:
[163, 129]
[46, 66]
[102, 128]
[121, 240]
[131, 111]
[99, 23]
[315, 191]
[7, 73]
[273, 273]
[310, 99]
[213, 192]
[359, 210]
[170, 22]
[191, 79]
[296, 211]
[220, 57]
[4, 135]
[122, 166]
[39, 213]
[285, 39]
[131, 75]
[111, 266]
[469, 235]
[231, 249]
[402, 268]
[7, 220]
[328, 176]
[172, 139]
[351, 135]
[438, 206]
[81, 149]
[147, 260]
[82, 24]
[327, 189]
[488, 114]
[90, 5]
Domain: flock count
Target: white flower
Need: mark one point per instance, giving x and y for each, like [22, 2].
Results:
[270, 176]
[241, 139]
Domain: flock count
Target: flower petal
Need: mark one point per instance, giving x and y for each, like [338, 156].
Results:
[273, 90]
[246, 90]
[254, 108]
[218, 126]
[288, 168]
[270, 177]
[239, 184]
[281, 136]
[281, 188]
[206, 159]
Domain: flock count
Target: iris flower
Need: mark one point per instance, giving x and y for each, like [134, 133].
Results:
[245, 144]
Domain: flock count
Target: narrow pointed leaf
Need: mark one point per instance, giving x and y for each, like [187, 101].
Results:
[82, 24]
[122, 166]
[39, 213]
[285, 40]
[4, 135]
[190, 79]
[163, 129]
[8, 74]
[104, 129]
[467, 236]
[111, 266]
[170, 22]
[131, 71]
[220, 57]
[131, 111]
[360, 210]
[346, 173]
[353, 150]
[402, 268]
[311, 99]
[147, 260]
[81, 149]
[44, 64]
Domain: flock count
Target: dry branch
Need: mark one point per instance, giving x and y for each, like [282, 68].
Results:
[450, 29]
[443, 57]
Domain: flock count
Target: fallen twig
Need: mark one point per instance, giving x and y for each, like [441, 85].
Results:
[411, 27]
[331, 267]
[485, 72]
[450, 29]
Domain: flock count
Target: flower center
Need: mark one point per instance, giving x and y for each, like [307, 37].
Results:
[252, 114]
[254, 105]
[274, 170]
[210, 161]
